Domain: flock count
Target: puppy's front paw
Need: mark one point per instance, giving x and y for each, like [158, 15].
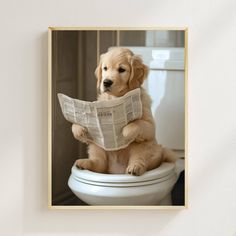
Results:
[79, 132]
[135, 169]
[84, 164]
[130, 131]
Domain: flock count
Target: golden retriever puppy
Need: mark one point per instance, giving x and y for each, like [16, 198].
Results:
[118, 72]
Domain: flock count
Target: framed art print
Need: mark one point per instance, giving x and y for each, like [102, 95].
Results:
[117, 118]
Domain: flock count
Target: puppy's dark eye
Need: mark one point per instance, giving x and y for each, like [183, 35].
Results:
[121, 70]
[105, 68]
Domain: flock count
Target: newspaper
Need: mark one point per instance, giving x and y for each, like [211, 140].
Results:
[104, 120]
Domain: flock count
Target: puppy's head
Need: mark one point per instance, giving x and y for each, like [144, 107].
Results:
[120, 71]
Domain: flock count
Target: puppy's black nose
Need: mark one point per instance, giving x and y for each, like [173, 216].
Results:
[107, 83]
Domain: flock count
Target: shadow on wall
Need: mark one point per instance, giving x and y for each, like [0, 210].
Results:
[169, 114]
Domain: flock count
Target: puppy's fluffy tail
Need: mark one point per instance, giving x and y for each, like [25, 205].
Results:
[168, 155]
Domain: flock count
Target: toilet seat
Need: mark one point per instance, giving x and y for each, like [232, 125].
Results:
[151, 188]
[160, 174]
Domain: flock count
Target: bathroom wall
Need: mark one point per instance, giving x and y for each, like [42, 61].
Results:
[164, 39]
[211, 117]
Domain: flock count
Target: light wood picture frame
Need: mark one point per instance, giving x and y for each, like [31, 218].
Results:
[73, 42]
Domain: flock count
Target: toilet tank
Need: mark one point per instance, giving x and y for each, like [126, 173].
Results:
[165, 84]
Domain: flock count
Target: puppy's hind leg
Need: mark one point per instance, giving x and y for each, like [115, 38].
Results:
[96, 162]
[137, 159]
[143, 157]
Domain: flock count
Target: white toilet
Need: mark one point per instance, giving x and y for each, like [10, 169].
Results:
[154, 187]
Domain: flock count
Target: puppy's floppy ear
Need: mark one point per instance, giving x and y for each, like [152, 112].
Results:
[98, 74]
[139, 72]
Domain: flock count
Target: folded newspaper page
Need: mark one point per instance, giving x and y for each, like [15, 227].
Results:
[104, 120]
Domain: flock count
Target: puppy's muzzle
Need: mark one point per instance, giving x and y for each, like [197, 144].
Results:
[107, 83]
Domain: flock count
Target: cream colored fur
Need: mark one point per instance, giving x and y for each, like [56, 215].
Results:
[127, 72]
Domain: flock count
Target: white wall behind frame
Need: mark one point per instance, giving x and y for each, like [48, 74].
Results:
[212, 129]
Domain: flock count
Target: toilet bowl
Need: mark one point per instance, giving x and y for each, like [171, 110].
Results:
[152, 188]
